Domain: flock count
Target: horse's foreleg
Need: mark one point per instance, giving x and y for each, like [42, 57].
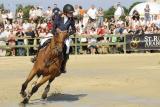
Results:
[24, 85]
[44, 95]
[35, 88]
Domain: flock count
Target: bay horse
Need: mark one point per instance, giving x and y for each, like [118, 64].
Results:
[47, 65]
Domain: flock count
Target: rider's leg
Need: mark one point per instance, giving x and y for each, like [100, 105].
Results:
[65, 58]
[64, 62]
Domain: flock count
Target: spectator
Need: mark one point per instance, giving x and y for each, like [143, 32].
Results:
[100, 15]
[30, 34]
[20, 16]
[4, 17]
[32, 14]
[149, 30]
[92, 41]
[43, 25]
[25, 26]
[142, 21]
[135, 23]
[10, 16]
[106, 23]
[3, 40]
[20, 41]
[39, 12]
[12, 41]
[92, 13]
[55, 12]
[138, 30]
[147, 13]
[81, 13]
[119, 11]
[48, 13]
[8, 25]
[49, 25]
[32, 25]
[135, 15]
[85, 19]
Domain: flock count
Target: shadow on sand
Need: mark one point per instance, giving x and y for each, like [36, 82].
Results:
[55, 97]
[65, 97]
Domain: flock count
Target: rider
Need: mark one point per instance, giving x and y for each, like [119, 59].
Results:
[65, 22]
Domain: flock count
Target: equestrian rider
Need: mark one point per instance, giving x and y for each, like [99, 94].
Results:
[64, 22]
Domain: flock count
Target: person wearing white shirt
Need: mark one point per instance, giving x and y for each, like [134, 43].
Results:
[32, 13]
[92, 13]
[39, 12]
[119, 11]
[135, 23]
[25, 26]
[85, 19]
[8, 25]
[4, 17]
[142, 21]
[5, 34]
[49, 13]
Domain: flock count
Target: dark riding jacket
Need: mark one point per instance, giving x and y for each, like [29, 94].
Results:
[68, 26]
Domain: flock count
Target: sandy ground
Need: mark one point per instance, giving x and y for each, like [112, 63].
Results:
[91, 81]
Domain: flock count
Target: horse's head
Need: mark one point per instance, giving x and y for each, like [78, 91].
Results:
[61, 35]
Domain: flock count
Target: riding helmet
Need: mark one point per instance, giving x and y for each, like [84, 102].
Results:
[68, 8]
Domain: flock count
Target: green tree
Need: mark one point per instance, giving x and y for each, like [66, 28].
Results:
[134, 4]
[26, 10]
[1, 6]
[109, 13]
[126, 11]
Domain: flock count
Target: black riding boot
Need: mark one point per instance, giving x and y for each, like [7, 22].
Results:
[64, 62]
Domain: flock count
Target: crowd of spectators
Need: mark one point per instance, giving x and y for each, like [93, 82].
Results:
[14, 29]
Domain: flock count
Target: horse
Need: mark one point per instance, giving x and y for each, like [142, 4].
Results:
[47, 65]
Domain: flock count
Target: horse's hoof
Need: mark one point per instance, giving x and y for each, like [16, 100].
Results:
[25, 101]
[44, 96]
[23, 94]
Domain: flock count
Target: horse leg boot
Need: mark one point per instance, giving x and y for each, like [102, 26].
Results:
[35, 88]
[47, 88]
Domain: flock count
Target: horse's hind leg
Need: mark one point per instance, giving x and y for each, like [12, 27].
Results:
[47, 88]
[24, 85]
[35, 82]
[35, 88]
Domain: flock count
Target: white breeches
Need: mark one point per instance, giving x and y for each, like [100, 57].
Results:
[67, 42]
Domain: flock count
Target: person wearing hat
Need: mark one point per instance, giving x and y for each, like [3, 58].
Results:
[64, 22]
